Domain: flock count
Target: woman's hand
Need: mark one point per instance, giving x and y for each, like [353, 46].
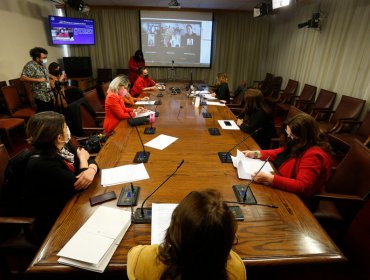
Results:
[213, 94]
[262, 177]
[239, 122]
[82, 154]
[252, 154]
[145, 98]
[84, 179]
[139, 110]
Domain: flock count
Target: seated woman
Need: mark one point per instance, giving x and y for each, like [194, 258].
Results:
[197, 244]
[303, 163]
[130, 101]
[55, 171]
[256, 114]
[115, 109]
[222, 91]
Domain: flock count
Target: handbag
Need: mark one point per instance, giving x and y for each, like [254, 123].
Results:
[95, 141]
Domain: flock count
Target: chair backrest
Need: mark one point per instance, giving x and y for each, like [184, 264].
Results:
[291, 87]
[121, 71]
[352, 174]
[4, 160]
[273, 89]
[92, 98]
[364, 129]
[3, 84]
[308, 93]
[104, 88]
[325, 99]
[104, 75]
[19, 85]
[12, 98]
[87, 119]
[29, 94]
[293, 111]
[348, 108]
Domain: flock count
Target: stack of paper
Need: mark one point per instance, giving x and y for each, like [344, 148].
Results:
[246, 166]
[209, 96]
[161, 219]
[145, 102]
[95, 242]
[123, 174]
[145, 114]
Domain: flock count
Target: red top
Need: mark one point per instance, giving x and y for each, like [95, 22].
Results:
[312, 170]
[141, 83]
[115, 111]
[134, 66]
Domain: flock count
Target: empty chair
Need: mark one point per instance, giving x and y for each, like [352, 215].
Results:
[21, 88]
[104, 75]
[14, 104]
[237, 100]
[287, 94]
[89, 122]
[121, 71]
[6, 125]
[264, 83]
[349, 108]
[345, 140]
[324, 101]
[346, 192]
[92, 98]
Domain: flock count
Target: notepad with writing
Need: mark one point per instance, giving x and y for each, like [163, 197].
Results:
[94, 244]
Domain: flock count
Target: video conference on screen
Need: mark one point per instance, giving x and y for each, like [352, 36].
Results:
[184, 42]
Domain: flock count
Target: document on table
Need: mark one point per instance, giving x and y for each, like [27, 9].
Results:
[202, 92]
[246, 166]
[161, 219]
[233, 125]
[215, 103]
[144, 114]
[94, 244]
[161, 142]
[123, 174]
[209, 96]
[145, 102]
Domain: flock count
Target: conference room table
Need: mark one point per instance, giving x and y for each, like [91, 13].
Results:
[285, 236]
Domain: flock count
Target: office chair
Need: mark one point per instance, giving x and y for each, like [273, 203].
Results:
[92, 98]
[324, 101]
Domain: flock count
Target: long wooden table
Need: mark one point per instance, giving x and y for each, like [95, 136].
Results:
[287, 235]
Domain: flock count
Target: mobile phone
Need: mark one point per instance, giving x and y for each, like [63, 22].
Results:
[102, 198]
[227, 123]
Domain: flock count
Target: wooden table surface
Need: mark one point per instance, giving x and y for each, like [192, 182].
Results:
[283, 236]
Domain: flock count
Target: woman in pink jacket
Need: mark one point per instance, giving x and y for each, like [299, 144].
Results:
[303, 162]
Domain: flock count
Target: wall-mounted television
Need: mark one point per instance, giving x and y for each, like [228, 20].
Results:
[71, 31]
[77, 66]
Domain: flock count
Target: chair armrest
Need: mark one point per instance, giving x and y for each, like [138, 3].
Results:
[336, 196]
[100, 114]
[17, 220]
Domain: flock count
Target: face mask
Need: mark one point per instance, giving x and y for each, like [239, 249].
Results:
[122, 92]
[146, 76]
[56, 72]
[45, 60]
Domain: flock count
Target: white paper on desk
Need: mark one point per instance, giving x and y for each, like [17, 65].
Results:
[246, 166]
[215, 103]
[145, 102]
[202, 92]
[123, 174]
[95, 242]
[209, 96]
[161, 219]
[144, 114]
[233, 125]
[161, 142]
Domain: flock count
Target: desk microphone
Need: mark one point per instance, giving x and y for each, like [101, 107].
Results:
[141, 156]
[144, 215]
[225, 156]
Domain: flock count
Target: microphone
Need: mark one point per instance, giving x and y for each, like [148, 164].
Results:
[225, 156]
[151, 129]
[141, 156]
[244, 195]
[144, 215]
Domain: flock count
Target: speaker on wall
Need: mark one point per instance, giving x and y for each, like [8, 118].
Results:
[77, 67]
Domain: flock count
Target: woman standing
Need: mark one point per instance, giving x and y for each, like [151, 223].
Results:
[134, 64]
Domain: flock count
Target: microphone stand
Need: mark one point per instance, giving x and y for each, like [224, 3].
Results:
[141, 156]
[144, 215]
[225, 157]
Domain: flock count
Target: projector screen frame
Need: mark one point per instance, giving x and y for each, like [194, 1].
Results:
[176, 55]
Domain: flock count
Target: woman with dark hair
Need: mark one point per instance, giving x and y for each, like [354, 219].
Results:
[303, 162]
[55, 171]
[197, 244]
[222, 91]
[134, 64]
[256, 114]
[57, 80]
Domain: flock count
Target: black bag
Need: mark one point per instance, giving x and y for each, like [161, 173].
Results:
[94, 143]
[138, 121]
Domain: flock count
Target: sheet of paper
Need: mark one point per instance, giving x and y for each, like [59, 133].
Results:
[233, 125]
[161, 219]
[209, 96]
[123, 174]
[145, 114]
[145, 102]
[202, 92]
[215, 103]
[104, 229]
[246, 166]
[160, 142]
[197, 101]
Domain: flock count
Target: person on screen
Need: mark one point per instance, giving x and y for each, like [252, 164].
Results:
[197, 245]
[55, 171]
[222, 91]
[303, 162]
[143, 83]
[35, 73]
[256, 114]
[190, 39]
[134, 64]
[115, 109]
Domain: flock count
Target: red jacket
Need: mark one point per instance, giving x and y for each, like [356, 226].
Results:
[115, 111]
[134, 66]
[312, 170]
[141, 83]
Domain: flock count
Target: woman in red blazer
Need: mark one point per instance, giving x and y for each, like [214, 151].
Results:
[115, 109]
[303, 162]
